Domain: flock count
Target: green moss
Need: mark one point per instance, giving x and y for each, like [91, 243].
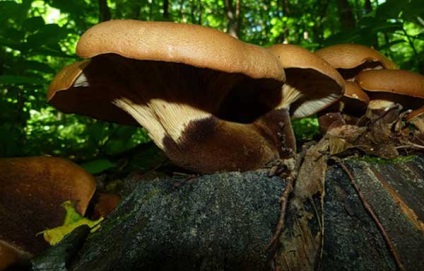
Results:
[385, 161]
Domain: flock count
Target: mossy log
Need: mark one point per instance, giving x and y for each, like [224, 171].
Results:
[225, 222]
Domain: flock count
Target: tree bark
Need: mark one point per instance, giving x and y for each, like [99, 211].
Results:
[224, 221]
[392, 191]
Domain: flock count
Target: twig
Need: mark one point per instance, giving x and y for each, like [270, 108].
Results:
[368, 208]
[290, 179]
[410, 144]
[283, 201]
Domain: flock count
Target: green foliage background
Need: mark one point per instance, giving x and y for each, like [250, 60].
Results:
[37, 38]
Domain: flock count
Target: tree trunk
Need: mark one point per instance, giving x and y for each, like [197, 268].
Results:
[165, 7]
[104, 12]
[367, 6]
[347, 19]
[318, 26]
[233, 16]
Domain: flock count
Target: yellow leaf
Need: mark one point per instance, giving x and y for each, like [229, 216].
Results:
[72, 220]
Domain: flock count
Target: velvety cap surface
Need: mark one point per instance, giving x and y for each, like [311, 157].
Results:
[392, 81]
[180, 43]
[349, 56]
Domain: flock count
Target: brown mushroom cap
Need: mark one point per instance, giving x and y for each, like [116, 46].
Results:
[396, 86]
[417, 113]
[189, 44]
[354, 91]
[31, 194]
[347, 110]
[355, 100]
[73, 77]
[311, 83]
[350, 59]
[416, 117]
[67, 77]
[12, 257]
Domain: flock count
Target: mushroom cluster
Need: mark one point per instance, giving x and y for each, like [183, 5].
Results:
[378, 100]
[209, 101]
[350, 60]
[214, 103]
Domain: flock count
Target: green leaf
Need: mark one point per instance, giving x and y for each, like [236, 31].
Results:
[47, 34]
[377, 25]
[419, 36]
[32, 24]
[98, 166]
[53, 50]
[12, 10]
[37, 66]
[12, 38]
[390, 9]
[394, 9]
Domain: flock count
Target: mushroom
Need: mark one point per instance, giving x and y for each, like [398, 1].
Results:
[207, 99]
[11, 257]
[311, 83]
[31, 194]
[354, 101]
[350, 59]
[347, 110]
[392, 94]
[416, 118]
[390, 88]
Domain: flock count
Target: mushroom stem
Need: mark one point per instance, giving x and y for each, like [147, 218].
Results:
[378, 107]
[416, 118]
[209, 144]
[419, 124]
[277, 128]
[212, 145]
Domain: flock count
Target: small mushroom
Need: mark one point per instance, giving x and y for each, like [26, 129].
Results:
[389, 88]
[351, 59]
[416, 118]
[207, 99]
[31, 194]
[347, 110]
[311, 83]
[354, 101]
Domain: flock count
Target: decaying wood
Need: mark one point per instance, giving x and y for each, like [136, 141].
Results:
[353, 239]
[225, 221]
[369, 209]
